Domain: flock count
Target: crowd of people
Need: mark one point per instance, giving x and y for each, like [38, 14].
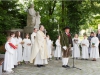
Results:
[89, 47]
[38, 48]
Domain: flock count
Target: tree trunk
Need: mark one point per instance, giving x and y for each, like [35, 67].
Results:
[62, 11]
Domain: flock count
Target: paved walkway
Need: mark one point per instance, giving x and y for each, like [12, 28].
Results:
[54, 68]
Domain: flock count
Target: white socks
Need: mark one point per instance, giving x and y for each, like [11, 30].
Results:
[65, 61]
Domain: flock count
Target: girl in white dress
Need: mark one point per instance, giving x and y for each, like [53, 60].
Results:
[58, 49]
[9, 61]
[19, 48]
[13, 41]
[94, 48]
[85, 45]
[27, 49]
[76, 42]
[49, 45]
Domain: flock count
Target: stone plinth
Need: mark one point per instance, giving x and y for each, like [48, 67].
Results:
[28, 29]
[14, 30]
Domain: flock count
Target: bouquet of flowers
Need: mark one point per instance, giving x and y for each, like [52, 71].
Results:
[83, 44]
[29, 44]
[75, 40]
[22, 42]
[93, 43]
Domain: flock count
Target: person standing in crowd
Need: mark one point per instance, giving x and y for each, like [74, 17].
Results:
[19, 48]
[53, 49]
[9, 61]
[33, 35]
[98, 35]
[66, 44]
[89, 38]
[27, 49]
[85, 45]
[58, 49]
[76, 49]
[49, 45]
[94, 48]
[40, 51]
[13, 41]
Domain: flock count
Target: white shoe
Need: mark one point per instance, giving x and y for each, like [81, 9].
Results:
[8, 72]
[12, 71]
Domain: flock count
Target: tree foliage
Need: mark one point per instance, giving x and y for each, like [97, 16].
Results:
[8, 18]
[75, 14]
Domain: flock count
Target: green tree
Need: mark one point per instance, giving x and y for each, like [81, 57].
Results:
[8, 18]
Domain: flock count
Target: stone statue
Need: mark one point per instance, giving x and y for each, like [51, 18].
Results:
[31, 16]
[38, 21]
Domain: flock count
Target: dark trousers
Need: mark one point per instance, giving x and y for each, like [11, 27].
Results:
[99, 49]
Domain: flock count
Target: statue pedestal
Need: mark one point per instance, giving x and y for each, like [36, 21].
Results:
[28, 29]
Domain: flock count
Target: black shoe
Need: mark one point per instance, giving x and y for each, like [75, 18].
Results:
[15, 66]
[59, 58]
[42, 65]
[67, 66]
[63, 66]
[39, 66]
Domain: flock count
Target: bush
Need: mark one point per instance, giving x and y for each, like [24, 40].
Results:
[2, 39]
[2, 49]
[2, 43]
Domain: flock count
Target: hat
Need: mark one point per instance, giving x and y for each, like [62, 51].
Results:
[66, 28]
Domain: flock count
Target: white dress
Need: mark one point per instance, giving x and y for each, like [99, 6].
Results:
[8, 61]
[58, 49]
[49, 45]
[85, 48]
[19, 49]
[39, 61]
[33, 35]
[94, 50]
[27, 50]
[13, 41]
[76, 49]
